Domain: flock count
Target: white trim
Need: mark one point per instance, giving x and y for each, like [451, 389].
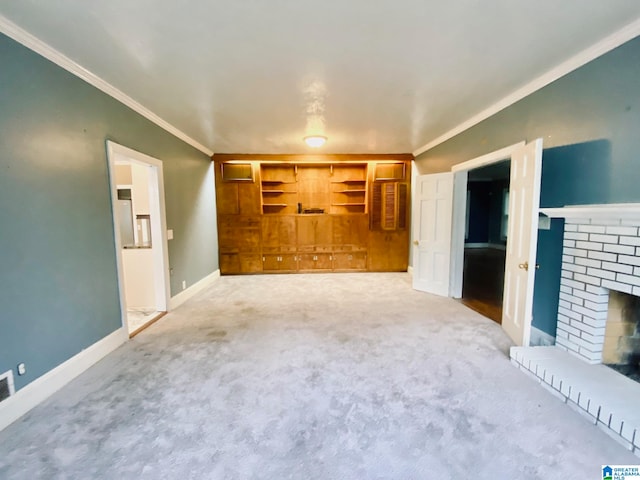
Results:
[461, 173]
[573, 63]
[489, 158]
[410, 270]
[193, 290]
[609, 211]
[538, 338]
[32, 42]
[116, 152]
[43, 387]
[459, 229]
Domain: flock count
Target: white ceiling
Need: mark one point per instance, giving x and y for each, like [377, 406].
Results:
[247, 76]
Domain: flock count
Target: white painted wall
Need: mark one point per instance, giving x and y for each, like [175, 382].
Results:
[140, 190]
[139, 278]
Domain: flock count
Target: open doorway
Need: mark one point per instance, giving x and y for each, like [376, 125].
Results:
[137, 190]
[486, 229]
[522, 234]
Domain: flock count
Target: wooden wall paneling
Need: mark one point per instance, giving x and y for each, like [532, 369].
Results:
[314, 187]
[315, 261]
[249, 198]
[350, 230]
[227, 198]
[350, 261]
[388, 251]
[314, 232]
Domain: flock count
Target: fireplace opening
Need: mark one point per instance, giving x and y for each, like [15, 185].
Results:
[621, 349]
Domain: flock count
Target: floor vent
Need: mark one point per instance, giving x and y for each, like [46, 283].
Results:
[6, 385]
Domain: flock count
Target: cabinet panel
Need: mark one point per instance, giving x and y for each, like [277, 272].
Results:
[388, 251]
[279, 262]
[350, 261]
[314, 230]
[315, 261]
[350, 230]
[249, 199]
[250, 263]
[240, 263]
[229, 263]
[278, 231]
[227, 198]
[238, 239]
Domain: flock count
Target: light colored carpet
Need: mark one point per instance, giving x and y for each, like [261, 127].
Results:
[344, 376]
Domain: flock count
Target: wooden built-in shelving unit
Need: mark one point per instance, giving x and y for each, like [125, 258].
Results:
[299, 213]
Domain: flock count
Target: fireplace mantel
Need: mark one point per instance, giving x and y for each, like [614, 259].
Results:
[610, 211]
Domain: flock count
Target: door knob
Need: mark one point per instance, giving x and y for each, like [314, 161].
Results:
[525, 266]
[416, 242]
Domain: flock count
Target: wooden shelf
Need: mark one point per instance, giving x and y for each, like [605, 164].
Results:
[348, 204]
[274, 191]
[275, 205]
[352, 191]
[350, 181]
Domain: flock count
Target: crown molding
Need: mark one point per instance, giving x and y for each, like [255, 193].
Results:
[573, 63]
[33, 43]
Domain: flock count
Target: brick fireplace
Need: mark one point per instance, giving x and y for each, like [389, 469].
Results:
[599, 255]
[598, 319]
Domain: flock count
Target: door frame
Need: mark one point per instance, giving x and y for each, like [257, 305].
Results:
[460, 176]
[116, 152]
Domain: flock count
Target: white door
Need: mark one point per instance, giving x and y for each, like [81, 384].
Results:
[432, 233]
[522, 238]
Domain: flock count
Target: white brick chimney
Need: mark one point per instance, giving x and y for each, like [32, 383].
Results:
[601, 252]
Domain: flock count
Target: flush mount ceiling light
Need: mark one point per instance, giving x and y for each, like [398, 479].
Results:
[315, 141]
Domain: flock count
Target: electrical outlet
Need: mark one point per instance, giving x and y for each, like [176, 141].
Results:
[184, 284]
[22, 369]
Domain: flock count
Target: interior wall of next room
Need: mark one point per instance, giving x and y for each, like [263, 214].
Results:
[485, 212]
[58, 284]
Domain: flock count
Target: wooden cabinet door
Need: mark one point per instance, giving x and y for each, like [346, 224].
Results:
[227, 199]
[389, 206]
[314, 230]
[315, 261]
[350, 261]
[229, 263]
[249, 199]
[388, 251]
[238, 233]
[350, 230]
[279, 231]
[250, 262]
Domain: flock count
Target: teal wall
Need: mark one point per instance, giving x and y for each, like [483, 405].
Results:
[485, 216]
[58, 281]
[590, 123]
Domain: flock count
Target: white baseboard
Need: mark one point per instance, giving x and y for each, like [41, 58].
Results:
[410, 270]
[194, 289]
[538, 338]
[43, 387]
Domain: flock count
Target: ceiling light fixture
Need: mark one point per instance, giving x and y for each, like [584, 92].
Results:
[315, 141]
